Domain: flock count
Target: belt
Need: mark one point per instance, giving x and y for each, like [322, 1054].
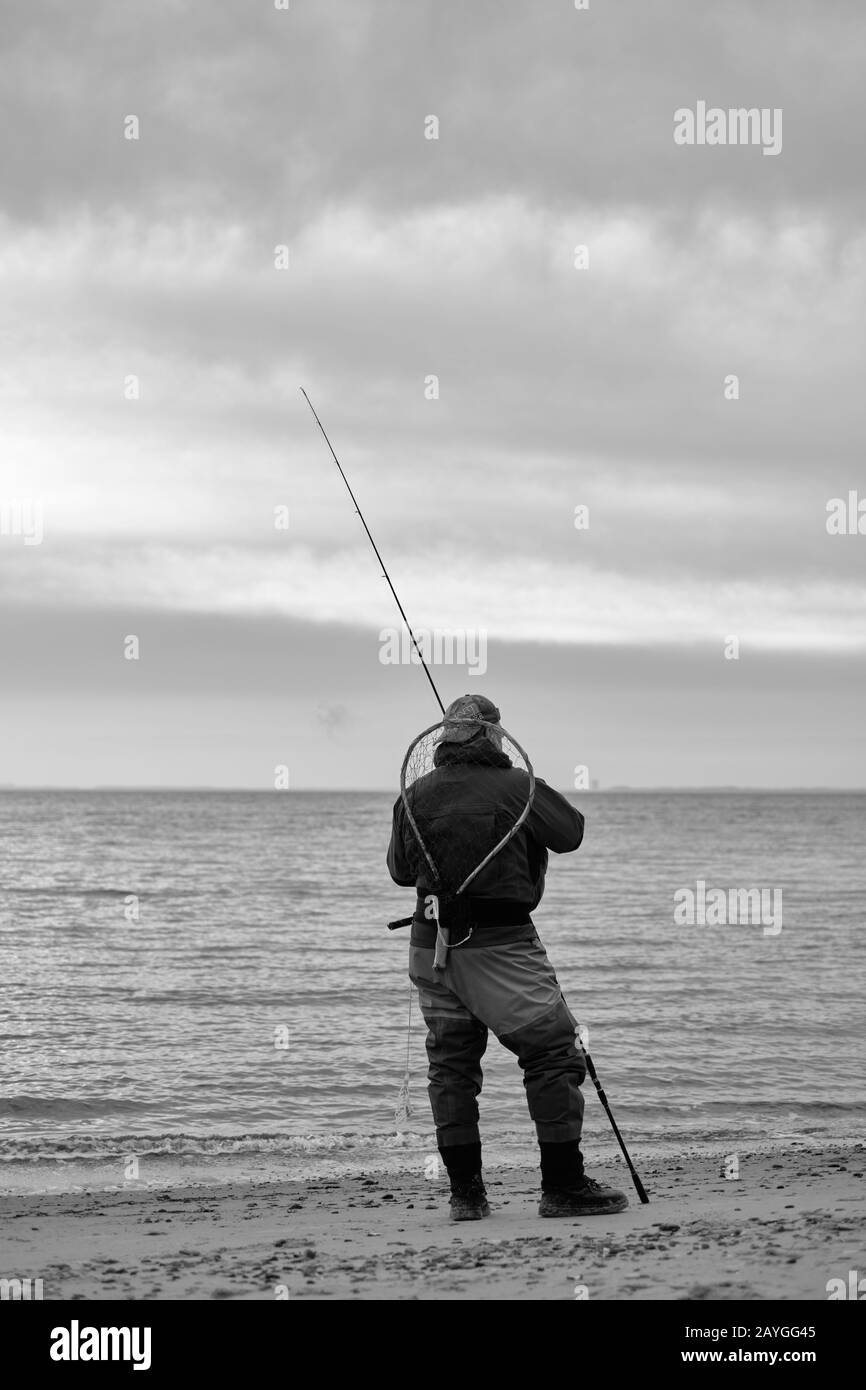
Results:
[424, 935]
[483, 912]
[492, 912]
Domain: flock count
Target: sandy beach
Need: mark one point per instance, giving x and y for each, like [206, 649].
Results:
[791, 1221]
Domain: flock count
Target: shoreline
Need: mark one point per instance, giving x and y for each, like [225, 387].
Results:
[790, 1222]
[174, 1162]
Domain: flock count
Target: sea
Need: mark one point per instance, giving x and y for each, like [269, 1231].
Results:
[200, 987]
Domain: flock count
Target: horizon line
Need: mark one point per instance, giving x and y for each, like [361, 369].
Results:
[720, 788]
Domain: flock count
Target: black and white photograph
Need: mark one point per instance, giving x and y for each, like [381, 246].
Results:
[432, 665]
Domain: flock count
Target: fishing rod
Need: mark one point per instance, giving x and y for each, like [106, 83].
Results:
[385, 574]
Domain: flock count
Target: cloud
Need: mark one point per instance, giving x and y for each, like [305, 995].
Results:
[278, 113]
[222, 701]
[409, 259]
[557, 388]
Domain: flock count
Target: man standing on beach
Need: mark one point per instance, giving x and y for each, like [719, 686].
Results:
[500, 980]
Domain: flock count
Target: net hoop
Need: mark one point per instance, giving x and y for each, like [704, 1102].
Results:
[440, 724]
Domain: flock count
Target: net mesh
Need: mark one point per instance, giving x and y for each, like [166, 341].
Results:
[465, 789]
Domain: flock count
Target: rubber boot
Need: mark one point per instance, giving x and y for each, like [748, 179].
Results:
[468, 1199]
[567, 1191]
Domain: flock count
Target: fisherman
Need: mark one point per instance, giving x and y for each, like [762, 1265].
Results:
[500, 978]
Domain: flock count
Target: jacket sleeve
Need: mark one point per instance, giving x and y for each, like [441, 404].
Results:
[553, 821]
[398, 865]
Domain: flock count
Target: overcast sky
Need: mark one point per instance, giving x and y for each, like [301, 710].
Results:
[559, 387]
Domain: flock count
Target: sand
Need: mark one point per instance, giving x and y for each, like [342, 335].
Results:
[792, 1221]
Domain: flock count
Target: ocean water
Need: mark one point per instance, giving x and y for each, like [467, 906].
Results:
[200, 985]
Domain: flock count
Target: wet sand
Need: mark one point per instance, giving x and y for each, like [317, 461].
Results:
[790, 1222]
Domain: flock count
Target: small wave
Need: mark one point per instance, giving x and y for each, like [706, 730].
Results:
[66, 890]
[65, 1107]
[98, 1147]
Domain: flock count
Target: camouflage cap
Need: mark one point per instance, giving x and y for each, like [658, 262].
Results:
[465, 717]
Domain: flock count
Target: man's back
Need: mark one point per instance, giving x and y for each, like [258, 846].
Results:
[465, 808]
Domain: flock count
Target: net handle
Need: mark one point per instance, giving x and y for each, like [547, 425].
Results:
[415, 831]
[511, 833]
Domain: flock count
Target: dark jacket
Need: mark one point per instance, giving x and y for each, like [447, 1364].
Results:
[495, 795]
